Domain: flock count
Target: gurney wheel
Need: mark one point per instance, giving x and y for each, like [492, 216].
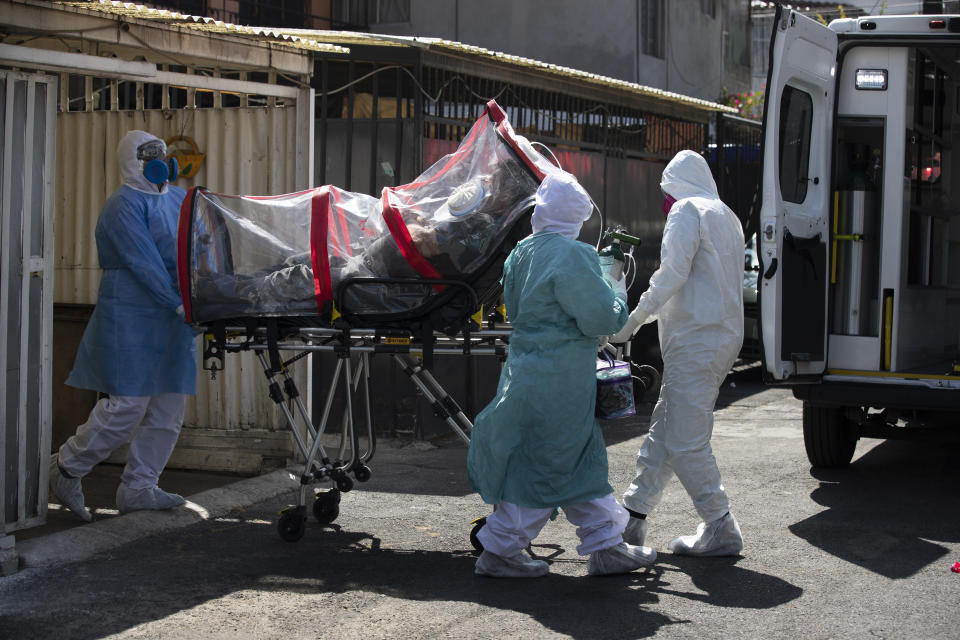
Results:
[292, 524]
[474, 540]
[326, 506]
[344, 484]
[646, 382]
[362, 473]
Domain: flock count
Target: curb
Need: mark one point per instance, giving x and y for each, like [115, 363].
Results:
[80, 543]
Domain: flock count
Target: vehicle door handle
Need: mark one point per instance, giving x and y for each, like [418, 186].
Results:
[772, 269]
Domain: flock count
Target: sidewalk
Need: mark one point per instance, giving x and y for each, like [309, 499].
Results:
[66, 538]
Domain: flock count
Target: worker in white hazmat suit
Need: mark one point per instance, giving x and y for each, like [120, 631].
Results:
[136, 348]
[537, 445]
[697, 296]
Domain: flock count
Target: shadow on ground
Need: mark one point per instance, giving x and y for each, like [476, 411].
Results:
[164, 576]
[743, 381]
[900, 499]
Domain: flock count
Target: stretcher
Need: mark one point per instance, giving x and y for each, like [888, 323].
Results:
[278, 350]
[413, 274]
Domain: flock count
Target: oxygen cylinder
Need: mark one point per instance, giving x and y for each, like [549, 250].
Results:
[612, 259]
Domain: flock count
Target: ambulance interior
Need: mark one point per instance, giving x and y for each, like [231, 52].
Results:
[894, 271]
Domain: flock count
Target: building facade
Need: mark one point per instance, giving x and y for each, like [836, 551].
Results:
[699, 48]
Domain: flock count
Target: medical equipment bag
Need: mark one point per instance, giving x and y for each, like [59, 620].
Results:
[614, 388]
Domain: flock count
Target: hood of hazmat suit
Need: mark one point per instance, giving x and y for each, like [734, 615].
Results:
[131, 169]
[697, 296]
[137, 343]
[538, 444]
[560, 206]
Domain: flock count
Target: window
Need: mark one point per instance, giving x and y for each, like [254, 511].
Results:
[762, 28]
[928, 153]
[273, 13]
[796, 116]
[370, 12]
[389, 11]
[651, 28]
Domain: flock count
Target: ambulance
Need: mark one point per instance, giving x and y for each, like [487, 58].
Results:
[859, 230]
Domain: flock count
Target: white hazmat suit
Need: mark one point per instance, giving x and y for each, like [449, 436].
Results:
[697, 296]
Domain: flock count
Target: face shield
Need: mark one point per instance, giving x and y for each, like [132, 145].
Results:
[154, 163]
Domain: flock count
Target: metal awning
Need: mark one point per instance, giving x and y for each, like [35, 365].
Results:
[200, 23]
[480, 54]
[130, 32]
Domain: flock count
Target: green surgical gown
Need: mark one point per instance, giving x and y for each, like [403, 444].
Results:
[538, 444]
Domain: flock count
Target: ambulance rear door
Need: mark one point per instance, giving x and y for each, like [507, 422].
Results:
[794, 229]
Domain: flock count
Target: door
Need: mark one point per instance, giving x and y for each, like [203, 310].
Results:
[794, 231]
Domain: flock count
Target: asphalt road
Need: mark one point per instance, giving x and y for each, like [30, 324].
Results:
[859, 553]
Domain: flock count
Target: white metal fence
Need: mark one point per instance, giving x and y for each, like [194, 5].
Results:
[27, 139]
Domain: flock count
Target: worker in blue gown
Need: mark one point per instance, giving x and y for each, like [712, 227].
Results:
[137, 347]
[537, 446]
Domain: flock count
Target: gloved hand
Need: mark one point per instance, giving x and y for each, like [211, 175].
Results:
[637, 317]
[602, 341]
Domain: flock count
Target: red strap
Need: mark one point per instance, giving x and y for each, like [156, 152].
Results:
[183, 238]
[401, 236]
[319, 216]
[496, 113]
[506, 131]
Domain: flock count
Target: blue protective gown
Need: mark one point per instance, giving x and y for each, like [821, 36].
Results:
[136, 343]
[538, 443]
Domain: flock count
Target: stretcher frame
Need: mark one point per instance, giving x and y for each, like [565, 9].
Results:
[269, 339]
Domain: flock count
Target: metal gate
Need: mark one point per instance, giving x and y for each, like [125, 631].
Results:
[735, 160]
[27, 138]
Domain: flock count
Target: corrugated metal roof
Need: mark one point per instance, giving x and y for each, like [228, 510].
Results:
[209, 25]
[339, 41]
[355, 38]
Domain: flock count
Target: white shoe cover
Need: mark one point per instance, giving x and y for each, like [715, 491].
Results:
[718, 538]
[636, 531]
[68, 491]
[518, 566]
[150, 498]
[620, 558]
